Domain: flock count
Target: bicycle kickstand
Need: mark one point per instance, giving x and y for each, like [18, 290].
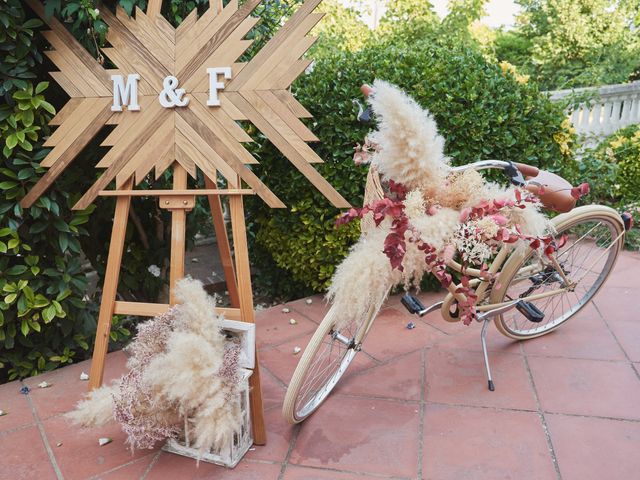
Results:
[486, 317]
[483, 339]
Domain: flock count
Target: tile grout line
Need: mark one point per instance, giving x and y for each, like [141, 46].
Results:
[615, 337]
[545, 426]
[292, 444]
[423, 386]
[115, 469]
[367, 475]
[43, 436]
[151, 465]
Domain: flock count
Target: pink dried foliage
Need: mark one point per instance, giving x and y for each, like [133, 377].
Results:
[143, 416]
[395, 243]
[134, 405]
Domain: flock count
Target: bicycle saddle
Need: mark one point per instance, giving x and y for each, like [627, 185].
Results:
[556, 191]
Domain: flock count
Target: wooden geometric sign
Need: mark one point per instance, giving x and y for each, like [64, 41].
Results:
[176, 96]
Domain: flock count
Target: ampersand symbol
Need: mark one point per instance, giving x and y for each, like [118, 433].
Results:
[170, 96]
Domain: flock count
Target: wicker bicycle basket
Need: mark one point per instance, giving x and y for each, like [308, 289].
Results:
[372, 191]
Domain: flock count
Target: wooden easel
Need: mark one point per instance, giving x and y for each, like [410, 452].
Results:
[179, 201]
[155, 136]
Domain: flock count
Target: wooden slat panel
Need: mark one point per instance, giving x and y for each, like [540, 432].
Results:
[247, 175]
[265, 54]
[290, 75]
[238, 150]
[69, 40]
[226, 121]
[72, 127]
[123, 40]
[292, 103]
[203, 154]
[289, 52]
[166, 161]
[69, 154]
[149, 121]
[188, 42]
[146, 32]
[153, 7]
[121, 59]
[188, 23]
[66, 84]
[283, 138]
[265, 111]
[72, 67]
[186, 161]
[65, 112]
[85, 115]
[228, 52]
[146, 156]
[299, 128]
[79, 82]
[127, 121]
[214, 41]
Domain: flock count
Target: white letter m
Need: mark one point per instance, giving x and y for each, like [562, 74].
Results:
[125, 94]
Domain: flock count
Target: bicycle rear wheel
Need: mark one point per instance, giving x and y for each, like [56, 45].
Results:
[594, 241]
[324, 361]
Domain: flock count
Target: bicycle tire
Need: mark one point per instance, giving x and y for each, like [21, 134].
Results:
[581, 225]
[305, 392]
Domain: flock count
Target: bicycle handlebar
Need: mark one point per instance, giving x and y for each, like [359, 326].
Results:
[510, 169]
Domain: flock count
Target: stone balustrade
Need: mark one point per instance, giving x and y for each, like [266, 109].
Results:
[607, 109]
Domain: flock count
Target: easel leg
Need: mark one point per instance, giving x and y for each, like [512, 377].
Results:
[110, 287]
[178, 234]
[222, 239]
[245, 292]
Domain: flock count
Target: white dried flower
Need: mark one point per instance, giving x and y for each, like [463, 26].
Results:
[154, 270]
[414, 205]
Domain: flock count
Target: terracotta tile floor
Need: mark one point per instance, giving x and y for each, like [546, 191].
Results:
[415, 405]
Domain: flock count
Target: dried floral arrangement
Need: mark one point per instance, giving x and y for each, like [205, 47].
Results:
[428, 215]
[181, 367]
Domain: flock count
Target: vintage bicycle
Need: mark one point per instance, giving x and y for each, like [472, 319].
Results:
[535, 294]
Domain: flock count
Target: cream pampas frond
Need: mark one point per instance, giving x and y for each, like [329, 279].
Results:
[96, 409]
[181, 368]
[363, 278]
[434, 212]
[411, 150]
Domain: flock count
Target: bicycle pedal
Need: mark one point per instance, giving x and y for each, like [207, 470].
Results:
[412, 304]
[530, 311]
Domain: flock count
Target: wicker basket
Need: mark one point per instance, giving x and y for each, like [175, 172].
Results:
[227, 457]
[372, 191]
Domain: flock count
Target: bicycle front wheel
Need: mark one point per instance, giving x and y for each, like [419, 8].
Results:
[595, 237]
[324, 361]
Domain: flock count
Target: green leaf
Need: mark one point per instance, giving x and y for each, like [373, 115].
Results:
[21, 95]
[41, 87]
[49, 313]
[48, 107]
[24, 328]
[31, 24]
[16, 270]
[63, 241]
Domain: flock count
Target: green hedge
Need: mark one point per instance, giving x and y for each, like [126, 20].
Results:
[482, 111]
